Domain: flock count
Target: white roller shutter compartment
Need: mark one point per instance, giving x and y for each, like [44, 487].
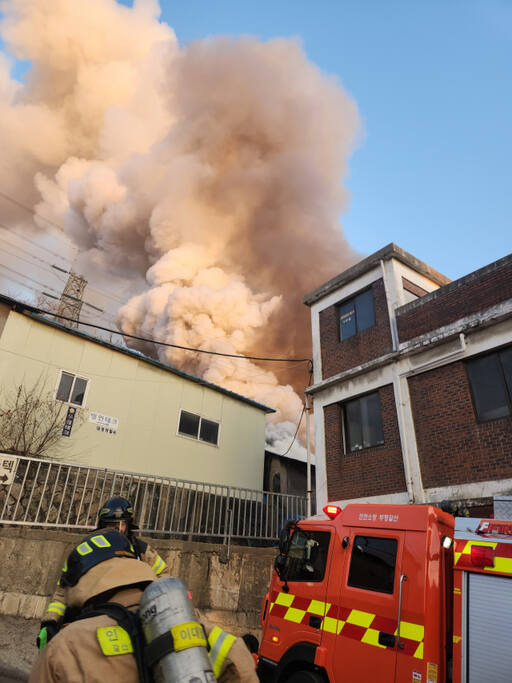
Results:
[489, 629]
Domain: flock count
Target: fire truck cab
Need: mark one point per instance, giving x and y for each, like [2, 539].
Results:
[368, 595]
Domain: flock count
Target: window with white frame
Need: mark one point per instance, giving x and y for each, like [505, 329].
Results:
[197, 427]
[71, 388]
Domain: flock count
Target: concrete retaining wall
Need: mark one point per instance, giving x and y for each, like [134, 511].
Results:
[229, 590]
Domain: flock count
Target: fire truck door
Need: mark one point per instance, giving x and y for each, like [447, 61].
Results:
[364, 647]
[297, 607]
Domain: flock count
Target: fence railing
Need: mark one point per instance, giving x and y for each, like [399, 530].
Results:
[50, 493]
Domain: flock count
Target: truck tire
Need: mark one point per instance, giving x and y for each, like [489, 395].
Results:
[305, 677]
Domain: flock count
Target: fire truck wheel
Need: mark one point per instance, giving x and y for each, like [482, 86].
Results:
[305, 677]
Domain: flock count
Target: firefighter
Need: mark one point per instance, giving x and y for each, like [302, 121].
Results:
[116, 513]
[103, 577]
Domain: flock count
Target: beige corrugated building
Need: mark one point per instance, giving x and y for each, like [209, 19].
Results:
[140, 415]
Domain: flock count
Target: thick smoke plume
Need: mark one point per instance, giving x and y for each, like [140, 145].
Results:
[208, 178]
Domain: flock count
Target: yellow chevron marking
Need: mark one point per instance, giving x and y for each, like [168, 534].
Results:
[294, 614]
[501, 564]
[330, 625]
[285, 599]
[419, 651]
[457, 639]
[371, 637]
[320, 608]
[360, 618]
[411, 631]
[457, 591]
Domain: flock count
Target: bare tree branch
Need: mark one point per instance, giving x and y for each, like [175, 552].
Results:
[31, 421]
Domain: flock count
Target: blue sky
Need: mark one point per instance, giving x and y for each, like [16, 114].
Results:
[432, 80]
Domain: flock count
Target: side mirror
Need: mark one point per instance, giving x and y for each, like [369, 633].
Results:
[284, 540]
[279, 563]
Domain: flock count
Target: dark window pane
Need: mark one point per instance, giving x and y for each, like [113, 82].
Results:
[189, 424]
[364, 310]
[209, 431]
[506, 363]
[363, 422]
[371, 420]
[307, 556]
[79, 387]
[372, 565]
[347, 314]
[64, 386]
[354, 426]
[276, 483]
[488, 387]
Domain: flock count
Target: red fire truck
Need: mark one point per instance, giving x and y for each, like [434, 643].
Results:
[390, 594]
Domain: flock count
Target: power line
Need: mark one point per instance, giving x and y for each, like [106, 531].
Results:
[31, 210]
[183, 348]
[35, 244]
[52, 289]
[37, 282]
[23, 284]
[300, 418]
[52, 265]
[21, 258]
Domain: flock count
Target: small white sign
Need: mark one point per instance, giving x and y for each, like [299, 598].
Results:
[104, 423]
[7, 469]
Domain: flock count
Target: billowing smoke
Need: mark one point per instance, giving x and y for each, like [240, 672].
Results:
[206, 179]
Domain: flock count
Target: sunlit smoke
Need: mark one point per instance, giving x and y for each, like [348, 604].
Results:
[208, 177]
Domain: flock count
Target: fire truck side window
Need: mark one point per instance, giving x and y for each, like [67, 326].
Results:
[372, 565]
[307, 556]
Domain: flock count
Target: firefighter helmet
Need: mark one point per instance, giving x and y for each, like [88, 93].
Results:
[116, 510]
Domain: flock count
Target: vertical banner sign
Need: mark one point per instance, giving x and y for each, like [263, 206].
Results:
[66, 430]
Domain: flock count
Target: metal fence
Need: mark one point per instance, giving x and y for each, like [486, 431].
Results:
[49, 493]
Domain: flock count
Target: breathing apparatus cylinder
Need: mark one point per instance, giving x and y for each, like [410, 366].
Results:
[176, 642]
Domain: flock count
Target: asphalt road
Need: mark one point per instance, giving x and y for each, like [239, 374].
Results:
[17, 648]
[9, 675]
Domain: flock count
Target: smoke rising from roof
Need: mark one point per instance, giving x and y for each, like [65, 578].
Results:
[207, 176]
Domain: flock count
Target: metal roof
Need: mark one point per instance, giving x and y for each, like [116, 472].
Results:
[34, 313]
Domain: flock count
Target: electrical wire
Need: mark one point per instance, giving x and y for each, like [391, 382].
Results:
[300, 418]
[21, 258]
[37, 282]
[32, 211]
[185, 348]
[51, 265]
[177, 346]
[35, 244]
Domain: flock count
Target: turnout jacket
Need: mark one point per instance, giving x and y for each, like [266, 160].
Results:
[57, 605]
[75, 655]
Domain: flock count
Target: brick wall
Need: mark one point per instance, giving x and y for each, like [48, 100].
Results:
[337, 355]
[453, 448]
[468, 295]
[372, 471]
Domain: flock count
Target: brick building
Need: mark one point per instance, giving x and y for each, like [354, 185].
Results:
[413, 383]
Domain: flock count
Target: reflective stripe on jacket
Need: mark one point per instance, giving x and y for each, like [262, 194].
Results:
[57, 605]
[220, 644]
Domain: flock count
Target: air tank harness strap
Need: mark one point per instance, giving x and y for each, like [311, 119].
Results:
[129, 621]
[179, 637]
